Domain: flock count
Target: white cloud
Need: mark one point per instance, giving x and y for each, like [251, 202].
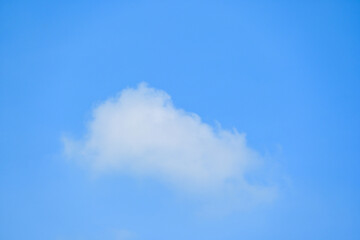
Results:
[141, 133]
[124, 235]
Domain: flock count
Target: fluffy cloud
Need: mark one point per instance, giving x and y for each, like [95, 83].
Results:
[141, 133]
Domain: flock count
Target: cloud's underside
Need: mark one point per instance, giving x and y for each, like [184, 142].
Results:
[141, 133]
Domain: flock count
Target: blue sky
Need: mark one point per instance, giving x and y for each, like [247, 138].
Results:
[285, 73]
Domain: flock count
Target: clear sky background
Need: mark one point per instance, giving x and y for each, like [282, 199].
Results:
[286, 73]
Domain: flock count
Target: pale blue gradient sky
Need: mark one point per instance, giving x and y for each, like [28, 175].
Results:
[284, 72]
